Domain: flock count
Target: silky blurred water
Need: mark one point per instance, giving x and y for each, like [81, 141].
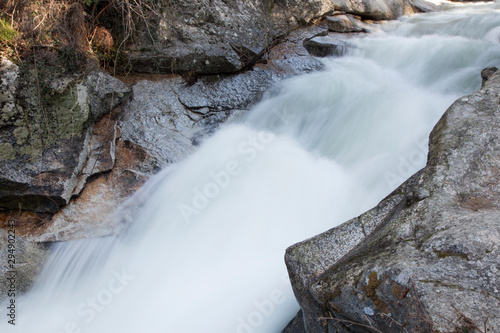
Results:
[206, 252]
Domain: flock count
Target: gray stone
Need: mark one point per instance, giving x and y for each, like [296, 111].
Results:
[296, 325]
[376, 10]
[427, 257]
[202, 59]
[334, 44]
[291, 57]
[28, 262]
[105, 93]
[158, 125]
[486, 73]
[169, 127]
[215, 37]
[345, 23]
[46, 143]
[422, 6]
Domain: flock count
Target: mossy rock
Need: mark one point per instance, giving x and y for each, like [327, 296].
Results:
[45, 140]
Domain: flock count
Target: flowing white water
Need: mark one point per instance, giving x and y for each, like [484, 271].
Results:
[206, 252]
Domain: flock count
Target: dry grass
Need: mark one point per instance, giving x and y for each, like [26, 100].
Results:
[74, 33]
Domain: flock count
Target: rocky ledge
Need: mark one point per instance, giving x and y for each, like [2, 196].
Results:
[226, 36]
[427, 258]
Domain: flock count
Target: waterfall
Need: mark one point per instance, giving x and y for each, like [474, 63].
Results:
[205, 254]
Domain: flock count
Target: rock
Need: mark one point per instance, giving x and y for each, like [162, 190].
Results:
[345, 23]
[169, 118]
[296, 325]
[105, 93]
[291, 57]
[158, 125]
[487, 73]
[117, 165]
[216, 37]
[204, 59]
[422, 6]
[28, 262]
[427, 257]
[376, 10]
[169, 127]
[470, 0]
[92, 213]
[101, 157]
[202, 36]
[46, 139]
[334, 44]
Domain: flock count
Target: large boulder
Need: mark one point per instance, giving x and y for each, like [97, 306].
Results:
[46, 137]
[427, 258]
[214, 37]
[221, 36]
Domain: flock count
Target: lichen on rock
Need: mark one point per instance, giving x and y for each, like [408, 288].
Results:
[45, 131]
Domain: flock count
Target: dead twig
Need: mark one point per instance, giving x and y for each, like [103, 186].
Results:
[351, 323]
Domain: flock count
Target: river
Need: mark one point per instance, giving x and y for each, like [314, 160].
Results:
[205, 252]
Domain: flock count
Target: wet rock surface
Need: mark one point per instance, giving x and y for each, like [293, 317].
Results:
[168, 128]
[331, 45]
[427, 257]
[334, 41]
[422, 6]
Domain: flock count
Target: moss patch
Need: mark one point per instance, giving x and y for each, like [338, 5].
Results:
[7, 152]
[49, 116]
[68, 117]
[21, 134]
[370, 291]
[7, 33]
[444, 254]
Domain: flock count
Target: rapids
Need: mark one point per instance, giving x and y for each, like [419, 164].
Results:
[205, 252]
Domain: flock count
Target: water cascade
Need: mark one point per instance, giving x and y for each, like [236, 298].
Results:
[205, 253]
